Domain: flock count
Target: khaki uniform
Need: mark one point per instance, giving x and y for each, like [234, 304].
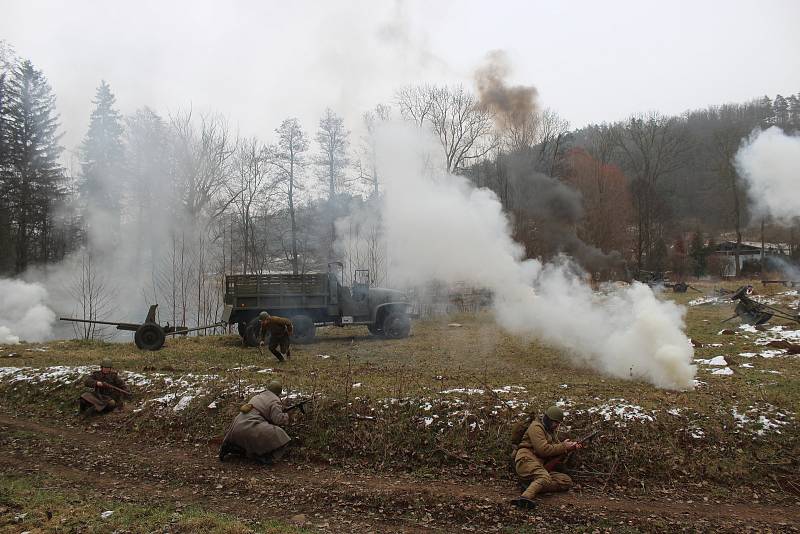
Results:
[102, 399]
[538, 446]
[279, 330]
[257, 431]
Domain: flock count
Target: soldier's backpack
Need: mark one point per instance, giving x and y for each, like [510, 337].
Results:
[520, 427]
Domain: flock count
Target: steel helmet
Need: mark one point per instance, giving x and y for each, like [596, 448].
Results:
[554, 413]
[263, 316]
[275, 386]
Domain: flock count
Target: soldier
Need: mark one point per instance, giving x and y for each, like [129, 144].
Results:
[536, 453]
[279, 330]
[255, 431]
[107, 391]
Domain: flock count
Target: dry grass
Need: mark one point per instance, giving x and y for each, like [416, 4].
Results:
[381, 402]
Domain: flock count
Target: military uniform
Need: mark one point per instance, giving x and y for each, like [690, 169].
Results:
[279, 330]
[537, 448]
[255, 432]
[102, 398]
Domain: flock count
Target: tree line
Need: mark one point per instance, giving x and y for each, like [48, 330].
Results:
[189, 200]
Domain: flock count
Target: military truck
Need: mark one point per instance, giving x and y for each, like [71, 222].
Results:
[316, 299]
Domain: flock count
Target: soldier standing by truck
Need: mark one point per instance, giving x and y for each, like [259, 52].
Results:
[107, 391]
[279, 330]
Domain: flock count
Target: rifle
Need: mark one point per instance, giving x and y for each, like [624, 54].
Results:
[115, 388]
[552, 464]
[298, 405]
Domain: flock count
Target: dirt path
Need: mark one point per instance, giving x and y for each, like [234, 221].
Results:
[335, 499]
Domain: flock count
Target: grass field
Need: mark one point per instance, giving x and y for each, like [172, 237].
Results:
[438, 405]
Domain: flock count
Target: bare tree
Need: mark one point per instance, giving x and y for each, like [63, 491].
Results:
[203, 160]
[95, 297]
[250, 188]
[333, 140]
[463, 127]
[725, 142]
[288, 157]
[368, 167]
[651, 147]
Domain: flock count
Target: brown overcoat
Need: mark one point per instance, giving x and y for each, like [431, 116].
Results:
[101, 398]
[540, 445]
[257, 431]
[276, 327]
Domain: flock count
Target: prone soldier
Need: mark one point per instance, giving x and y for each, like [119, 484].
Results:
[107, 392]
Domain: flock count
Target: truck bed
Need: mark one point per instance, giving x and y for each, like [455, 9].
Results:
[277, 291]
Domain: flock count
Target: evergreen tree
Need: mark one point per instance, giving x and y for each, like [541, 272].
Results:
[35, 181]
[794, 112]
[101, 164]
[697, 252]
[781, 111]
[767, 112]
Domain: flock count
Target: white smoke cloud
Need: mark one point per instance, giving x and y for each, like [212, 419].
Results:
[439, 227]
[24, 316]
[770, 162]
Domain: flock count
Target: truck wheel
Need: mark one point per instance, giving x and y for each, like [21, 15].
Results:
[304, 330]
[397, 325]
[374, 329]
[252, 333]
[149, 336]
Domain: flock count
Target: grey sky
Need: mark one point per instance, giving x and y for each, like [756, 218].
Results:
[259, 62]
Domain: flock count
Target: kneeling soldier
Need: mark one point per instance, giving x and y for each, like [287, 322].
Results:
[107, 390]
[255, 431]
[539, 447]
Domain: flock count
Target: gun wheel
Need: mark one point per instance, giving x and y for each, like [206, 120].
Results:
[149, 336]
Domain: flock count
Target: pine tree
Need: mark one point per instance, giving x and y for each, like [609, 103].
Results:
[697, 252]
[781, 110]
[35, 180]
[794, 112]
[101, 164]
[767, 112]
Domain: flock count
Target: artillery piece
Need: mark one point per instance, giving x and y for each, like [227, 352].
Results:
[756, 313]
[149, 335]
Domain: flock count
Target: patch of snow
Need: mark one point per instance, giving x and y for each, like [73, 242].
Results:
[717, 360]
[747, 365]
[771, 353]
[455, 325]
[324, 356]
[213, 405]
[747, 354]
[706, 300]
[725, 371]
[107, 514]
[674, 411]
[183, 403]
[357, 385]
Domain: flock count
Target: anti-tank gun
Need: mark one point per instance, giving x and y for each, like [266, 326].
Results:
[753, 312]
[149, 335]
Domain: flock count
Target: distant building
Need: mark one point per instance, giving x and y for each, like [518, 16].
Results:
[749, 250]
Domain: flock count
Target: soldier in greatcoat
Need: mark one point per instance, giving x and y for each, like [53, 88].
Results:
[256, 431]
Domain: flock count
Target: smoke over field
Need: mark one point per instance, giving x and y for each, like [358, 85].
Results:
[24, 315]
[770, 162]
[440, 227]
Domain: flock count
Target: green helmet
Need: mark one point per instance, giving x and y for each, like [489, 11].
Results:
[554, 413]
[275, 386]
[263, 316]
[107, 363]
